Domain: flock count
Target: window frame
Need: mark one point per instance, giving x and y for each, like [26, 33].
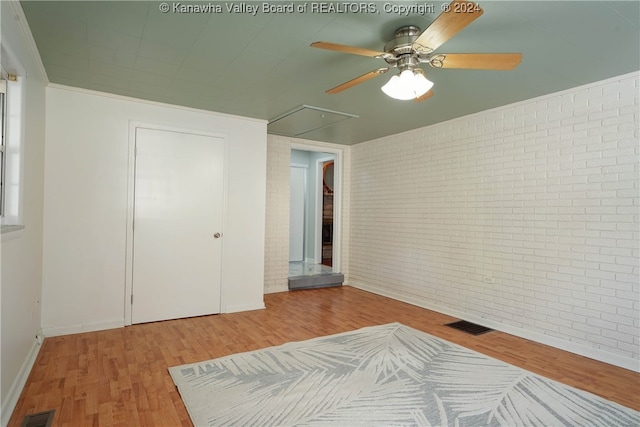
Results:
[3, 127]
[11, 192]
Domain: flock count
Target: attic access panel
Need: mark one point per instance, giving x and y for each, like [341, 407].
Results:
[305, 119]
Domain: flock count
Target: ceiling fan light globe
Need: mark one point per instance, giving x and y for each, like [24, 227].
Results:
[407, 85]
[406, 77]
[398, 88]
[421, 84]
[391, 87]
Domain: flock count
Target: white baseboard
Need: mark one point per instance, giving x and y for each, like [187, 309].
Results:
[54, 331]
[10, 401]
[591, 353]
[245, 307]
[277, 289]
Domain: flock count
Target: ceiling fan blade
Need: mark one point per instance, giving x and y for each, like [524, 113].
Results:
[458, 15]
[427, 95]
[358, 80]
[349, 49]
[478, 61]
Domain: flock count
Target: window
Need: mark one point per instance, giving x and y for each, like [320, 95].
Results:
[10, 150]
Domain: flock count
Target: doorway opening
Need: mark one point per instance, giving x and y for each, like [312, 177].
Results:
[314, 218]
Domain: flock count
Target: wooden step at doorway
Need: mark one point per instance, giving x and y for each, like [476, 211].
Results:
[316, 281]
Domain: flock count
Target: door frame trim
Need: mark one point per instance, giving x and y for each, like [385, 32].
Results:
[319, 193]
[131, 175]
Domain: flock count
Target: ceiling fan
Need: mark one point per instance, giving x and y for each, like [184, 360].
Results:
[410, 48]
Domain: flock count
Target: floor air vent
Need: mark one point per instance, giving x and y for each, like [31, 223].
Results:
[41, 419]
[468, 327]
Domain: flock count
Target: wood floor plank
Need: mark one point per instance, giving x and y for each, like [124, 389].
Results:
[119, 377]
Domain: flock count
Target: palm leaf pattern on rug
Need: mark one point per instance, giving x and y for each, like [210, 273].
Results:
[383, 375]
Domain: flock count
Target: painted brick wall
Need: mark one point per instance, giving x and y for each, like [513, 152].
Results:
[276, 263]
[523, 217]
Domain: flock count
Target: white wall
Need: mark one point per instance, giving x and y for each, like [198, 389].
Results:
[524, 218]
[85, 206]
[21, 251]
[299, 203]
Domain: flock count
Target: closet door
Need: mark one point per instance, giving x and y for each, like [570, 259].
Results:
[177, 237]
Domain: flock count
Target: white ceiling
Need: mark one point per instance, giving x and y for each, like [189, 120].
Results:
[262, 66]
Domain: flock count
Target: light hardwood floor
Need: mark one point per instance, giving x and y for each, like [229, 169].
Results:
[119, 377]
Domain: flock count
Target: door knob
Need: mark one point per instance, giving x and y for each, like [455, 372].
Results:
[217, 235]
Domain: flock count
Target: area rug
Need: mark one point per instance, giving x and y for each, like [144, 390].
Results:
[386, 375]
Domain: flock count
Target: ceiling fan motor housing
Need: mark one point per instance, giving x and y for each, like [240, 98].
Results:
[401, 48]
